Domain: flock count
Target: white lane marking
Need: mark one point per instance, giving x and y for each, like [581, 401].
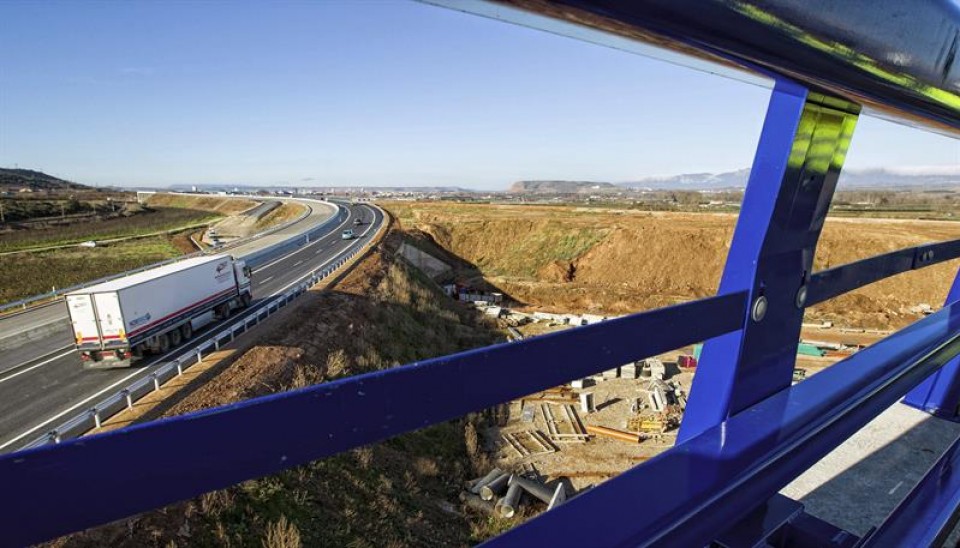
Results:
[895, 487]
[36, 365]
[144, 371]
[298, 263]
[307, 246]
[265, 280]
[330, 260]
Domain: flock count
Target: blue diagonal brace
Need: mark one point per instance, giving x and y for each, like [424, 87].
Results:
[802, 147]
[939, 394]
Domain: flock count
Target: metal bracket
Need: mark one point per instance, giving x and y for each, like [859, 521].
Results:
[802, 148]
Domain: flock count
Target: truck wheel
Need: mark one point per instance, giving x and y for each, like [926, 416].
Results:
[186, 331]
[137, 351]
[163, 343]
[175, 338]
[245, 300]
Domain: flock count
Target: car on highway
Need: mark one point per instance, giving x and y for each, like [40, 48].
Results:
[347, 234]
[358, 222]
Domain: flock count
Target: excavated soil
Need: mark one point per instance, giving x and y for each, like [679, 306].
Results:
[610, 261]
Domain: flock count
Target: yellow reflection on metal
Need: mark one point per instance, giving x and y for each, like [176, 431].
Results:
[861, 61]
[823, 135]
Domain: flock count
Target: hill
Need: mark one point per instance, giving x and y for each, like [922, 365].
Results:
[870, 178]
[562, 187]
[13, 180]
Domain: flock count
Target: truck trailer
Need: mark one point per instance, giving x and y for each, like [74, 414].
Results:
[119, 321]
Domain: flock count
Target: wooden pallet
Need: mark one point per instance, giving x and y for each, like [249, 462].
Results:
[528, 443]
[568, 428]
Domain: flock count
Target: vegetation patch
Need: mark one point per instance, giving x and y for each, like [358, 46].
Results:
[287, 211]
[26, 274]
[143, 222]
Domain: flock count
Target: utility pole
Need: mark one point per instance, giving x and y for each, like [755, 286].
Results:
[2, 220]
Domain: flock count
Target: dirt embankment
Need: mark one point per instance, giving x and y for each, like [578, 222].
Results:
[218, 204]
[619, 261]
[398, 493]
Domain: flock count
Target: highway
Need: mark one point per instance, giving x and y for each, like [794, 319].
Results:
[43, 383]
[46, 330]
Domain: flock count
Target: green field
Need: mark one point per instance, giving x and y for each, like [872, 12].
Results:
[26, 274]
[148, 222]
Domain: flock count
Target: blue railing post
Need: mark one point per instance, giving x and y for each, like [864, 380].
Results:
[801, 150]
[939, 394]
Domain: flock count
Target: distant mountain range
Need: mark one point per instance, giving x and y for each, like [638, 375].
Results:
[562, 187]
[872, 178]
[14, 180]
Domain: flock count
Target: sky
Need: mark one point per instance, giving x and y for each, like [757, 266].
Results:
[318, 93]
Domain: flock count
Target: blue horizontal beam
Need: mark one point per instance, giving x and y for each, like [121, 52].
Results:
[710, 482]
[827, 284]
[55, 490]
[929, 513]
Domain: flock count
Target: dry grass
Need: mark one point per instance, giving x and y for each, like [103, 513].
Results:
[218, 204]
[282, 534]
[287, 211]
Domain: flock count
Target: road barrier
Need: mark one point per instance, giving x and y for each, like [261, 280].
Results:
[125, 398]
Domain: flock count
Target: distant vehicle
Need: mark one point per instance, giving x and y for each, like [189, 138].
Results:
[347, 234]
[90, 243]
[118, 321]
[358, 222]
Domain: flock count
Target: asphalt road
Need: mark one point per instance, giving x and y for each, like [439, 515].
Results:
[55, 386]
[49, 325]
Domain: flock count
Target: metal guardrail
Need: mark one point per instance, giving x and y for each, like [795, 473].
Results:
[44, 299]
[747, 432]
[125, 398]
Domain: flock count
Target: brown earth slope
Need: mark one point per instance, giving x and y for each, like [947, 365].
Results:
[396, 493]
[618, 261]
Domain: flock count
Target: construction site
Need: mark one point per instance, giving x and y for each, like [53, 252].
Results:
[550, 446]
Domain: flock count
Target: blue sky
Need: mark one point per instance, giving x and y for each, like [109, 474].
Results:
[371, 93]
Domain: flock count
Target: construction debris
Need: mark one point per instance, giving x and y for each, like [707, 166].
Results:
[494, 474]
[495, 487]
[632, 437]
[507, 506]
[586, 402]
[515, 485]
[569, 430]
[528, 443]
[474, 502]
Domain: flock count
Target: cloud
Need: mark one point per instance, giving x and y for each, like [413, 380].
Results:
[943, 169]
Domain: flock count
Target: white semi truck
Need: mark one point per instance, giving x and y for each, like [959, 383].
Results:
[119, 321]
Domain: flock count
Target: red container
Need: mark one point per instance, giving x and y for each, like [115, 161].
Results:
[687, 362]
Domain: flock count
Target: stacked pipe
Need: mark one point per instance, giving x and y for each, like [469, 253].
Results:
[509, 488]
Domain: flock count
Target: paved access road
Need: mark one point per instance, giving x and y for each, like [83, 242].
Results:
[38, 394]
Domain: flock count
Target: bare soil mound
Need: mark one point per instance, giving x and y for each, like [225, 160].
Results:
[619, 261]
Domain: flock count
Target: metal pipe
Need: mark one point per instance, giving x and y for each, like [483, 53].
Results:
[476, 503]
[535, 488]
[507, 506]
[495, 487]
[492, 475]
[632, 437]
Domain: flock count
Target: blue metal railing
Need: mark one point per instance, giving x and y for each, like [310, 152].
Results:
[747, 432]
